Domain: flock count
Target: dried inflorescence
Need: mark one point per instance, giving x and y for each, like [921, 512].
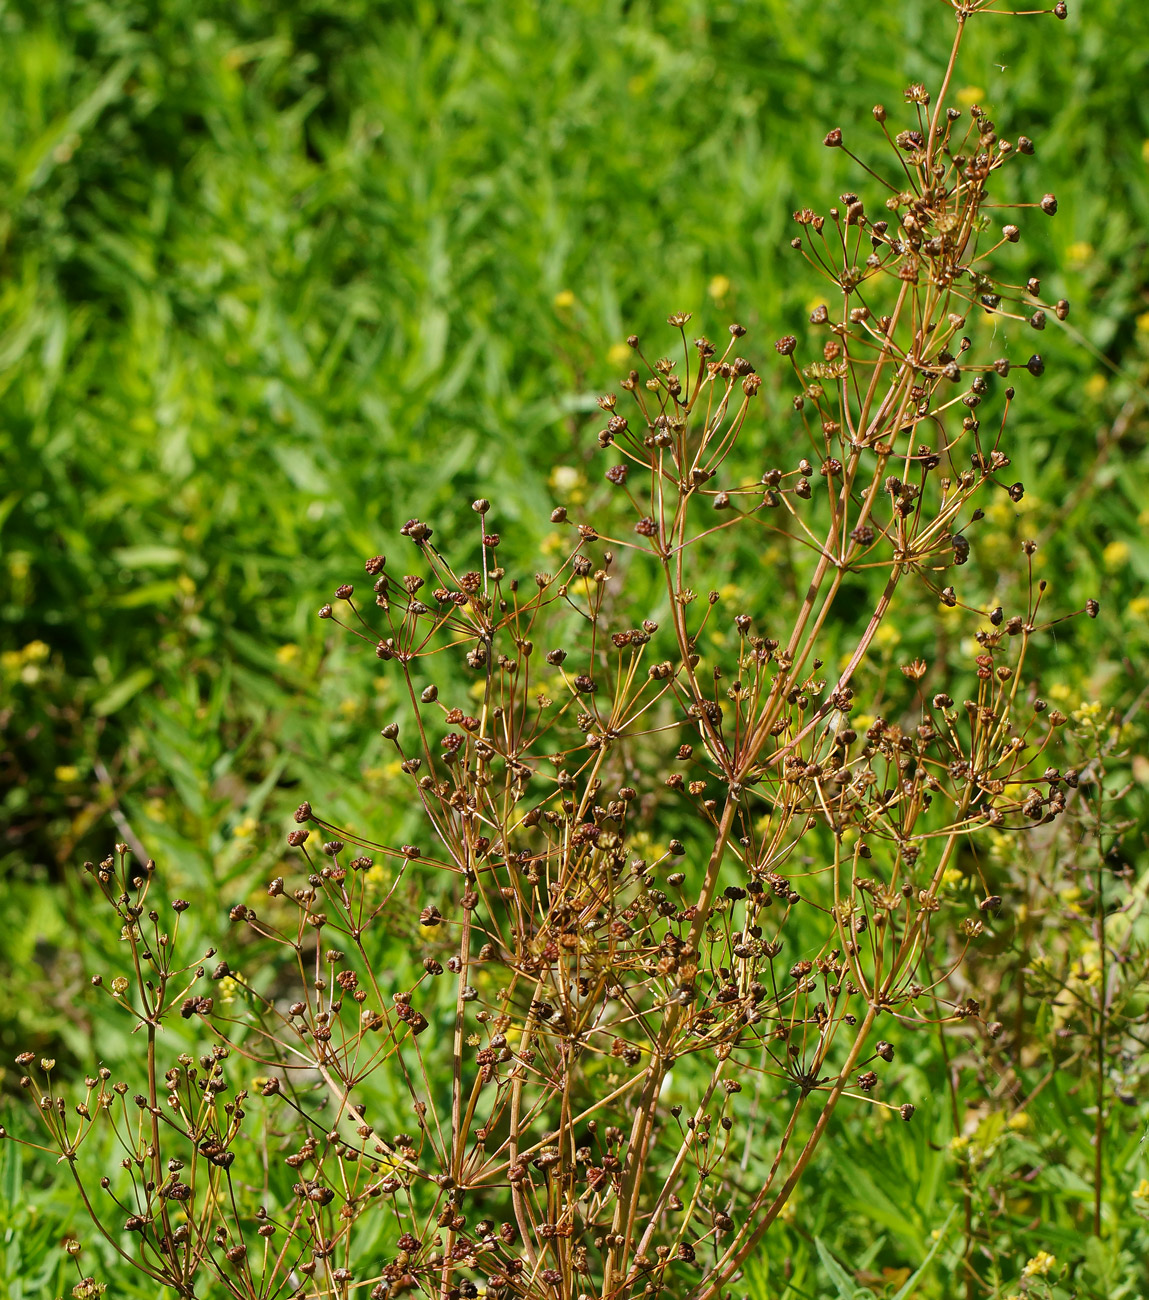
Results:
[760, 959]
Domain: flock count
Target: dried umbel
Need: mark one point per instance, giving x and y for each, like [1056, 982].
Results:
[661, 857]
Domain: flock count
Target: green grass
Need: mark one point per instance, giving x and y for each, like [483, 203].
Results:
[276, 276]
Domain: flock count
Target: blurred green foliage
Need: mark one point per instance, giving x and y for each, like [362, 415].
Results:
[276, 276]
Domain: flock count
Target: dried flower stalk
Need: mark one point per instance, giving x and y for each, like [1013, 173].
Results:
[759, 955]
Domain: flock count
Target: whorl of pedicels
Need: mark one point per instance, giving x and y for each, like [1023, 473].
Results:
[597, 972]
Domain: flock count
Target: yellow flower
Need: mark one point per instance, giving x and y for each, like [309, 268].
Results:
[36, 652]
[1115, 555]
[245, 829]
[1039, 1265]
[886, 635]
[1141, 1191]
[564, 298]
[646, 847]
[1087, 711]
[1019, 1120]
[155, 810]
[376, 879]
[1079, 252]
[618, 355]
[287, 654]
[1145, 150]
[970, 95]
[1096, 386]
[227, 988]
[1143, 322]
[719, 287]
[67, 773]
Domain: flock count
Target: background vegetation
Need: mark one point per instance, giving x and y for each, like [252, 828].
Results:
[275, 277]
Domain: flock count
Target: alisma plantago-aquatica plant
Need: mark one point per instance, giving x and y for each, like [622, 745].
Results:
[644, 1042]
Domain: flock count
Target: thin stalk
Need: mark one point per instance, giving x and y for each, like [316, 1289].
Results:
[1102, 977]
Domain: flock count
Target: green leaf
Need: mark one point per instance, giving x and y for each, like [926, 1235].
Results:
[912, 1282]
[13, 1172]
[122, 692]
[40, 160]
[147, 557]
[847, 1290]
[7, 506]
[150, 593]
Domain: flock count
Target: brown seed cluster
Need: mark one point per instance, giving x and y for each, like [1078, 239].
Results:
[674, 874]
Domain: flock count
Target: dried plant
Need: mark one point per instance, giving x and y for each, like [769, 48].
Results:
[642, 1044]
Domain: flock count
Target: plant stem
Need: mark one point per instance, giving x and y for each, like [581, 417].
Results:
[1099, 1127]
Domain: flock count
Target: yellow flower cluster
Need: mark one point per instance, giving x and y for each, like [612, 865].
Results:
[1087, 713]
[25, 664]
[1116, 555]
[1039, 1265]
[227, 989]
[376, 882]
